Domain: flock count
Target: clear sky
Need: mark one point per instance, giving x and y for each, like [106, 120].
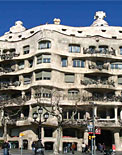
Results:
[73, 13]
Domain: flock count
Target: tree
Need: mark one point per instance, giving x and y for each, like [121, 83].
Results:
[8, 114]
[56, 110]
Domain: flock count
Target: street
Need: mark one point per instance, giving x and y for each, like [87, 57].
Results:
[29, 152]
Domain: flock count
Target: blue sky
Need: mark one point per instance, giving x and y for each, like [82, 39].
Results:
[73, 13]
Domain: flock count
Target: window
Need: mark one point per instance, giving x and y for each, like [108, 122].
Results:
[21, 65]
[64, 62]
[120, 80]
[78, 63]
[27, 79]
[116, 66]
[74, 48]
[69, 78]
[73, 94]
[43, 59]
[46, 95]
[120, 50]
[26, 49]
[103, 48]
[43, 75]
[92, 49]
[44, 44]
[30, 63]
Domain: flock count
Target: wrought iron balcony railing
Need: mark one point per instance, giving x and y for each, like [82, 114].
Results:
[112, 98]
[99, 67]
[98, 82]
[8, 56]
[99, 51]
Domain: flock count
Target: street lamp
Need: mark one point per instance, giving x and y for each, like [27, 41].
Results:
[93, 125]
[45, 117]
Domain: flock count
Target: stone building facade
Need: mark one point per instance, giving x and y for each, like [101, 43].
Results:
[84, 64]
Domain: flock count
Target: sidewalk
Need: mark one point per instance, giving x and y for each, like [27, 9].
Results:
[29, 152]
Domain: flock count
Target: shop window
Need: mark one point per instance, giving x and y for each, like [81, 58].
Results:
[48, 132]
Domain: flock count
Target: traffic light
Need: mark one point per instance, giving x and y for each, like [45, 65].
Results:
[90, 137]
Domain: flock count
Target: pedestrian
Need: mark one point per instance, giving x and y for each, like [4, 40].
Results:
[103, 147]
[6, 147]
[83, 147]
[68, 147]
[73, 148]
[98, 147]
[33, 146]
[87, 149]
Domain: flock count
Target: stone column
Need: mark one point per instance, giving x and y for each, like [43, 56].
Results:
[85, 137]
[117, 140]
[42, 135]
[121, 114]
[30, 111]
[58, 141]
[23, 94]
[32, 93]
[33, 77]
[26, 63]
[116, 114]
[107, 114]
[95, 111]
[79, 146]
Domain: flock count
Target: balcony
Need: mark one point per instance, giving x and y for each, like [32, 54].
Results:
[98, 82]
[7, 69]
[99, 51]
[103, 98]
[9, 56]
[8, 84]
[99, 67]
[78, 122]
[106, 122]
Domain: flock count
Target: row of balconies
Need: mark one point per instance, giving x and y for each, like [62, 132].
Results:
[77, 123]
[98, 122]
[99, 84]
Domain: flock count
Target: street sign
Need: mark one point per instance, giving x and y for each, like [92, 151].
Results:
[90, 129]
[98, 131]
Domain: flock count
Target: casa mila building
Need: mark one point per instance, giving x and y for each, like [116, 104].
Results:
[83, 64]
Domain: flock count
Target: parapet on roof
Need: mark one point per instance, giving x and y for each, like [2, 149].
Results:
[99, 16]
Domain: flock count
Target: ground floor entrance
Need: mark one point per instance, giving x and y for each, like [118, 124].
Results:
[106, 138]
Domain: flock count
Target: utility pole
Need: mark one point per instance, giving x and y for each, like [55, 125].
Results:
[93, 123]
[93, 126]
